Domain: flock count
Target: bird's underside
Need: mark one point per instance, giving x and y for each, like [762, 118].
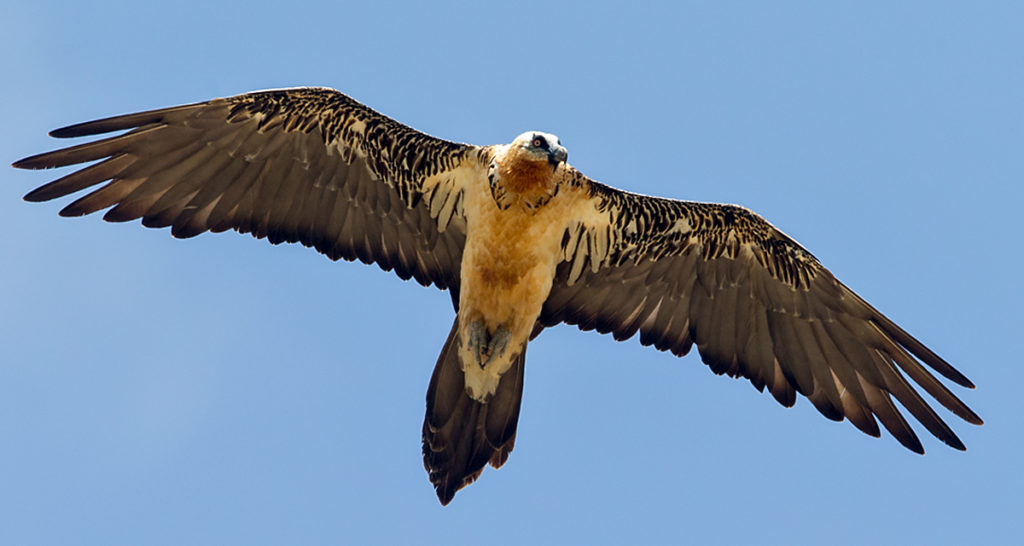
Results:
[523, 241]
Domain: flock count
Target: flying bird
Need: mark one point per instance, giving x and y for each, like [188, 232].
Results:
[522, 241]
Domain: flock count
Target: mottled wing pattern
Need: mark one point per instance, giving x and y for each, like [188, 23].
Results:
[754, 302]
[307, 165]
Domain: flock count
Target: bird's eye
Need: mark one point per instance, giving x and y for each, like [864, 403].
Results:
[538, 142]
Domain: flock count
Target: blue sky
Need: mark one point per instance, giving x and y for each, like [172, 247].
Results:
[220, 390]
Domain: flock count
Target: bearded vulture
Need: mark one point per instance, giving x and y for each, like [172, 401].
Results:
[523, 241]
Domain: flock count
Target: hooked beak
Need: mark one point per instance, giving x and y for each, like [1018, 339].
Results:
[557, 154]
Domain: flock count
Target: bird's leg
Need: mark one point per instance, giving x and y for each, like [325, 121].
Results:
[485, 346]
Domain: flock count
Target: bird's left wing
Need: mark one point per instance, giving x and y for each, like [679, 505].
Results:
[307, 165]
[755, 302]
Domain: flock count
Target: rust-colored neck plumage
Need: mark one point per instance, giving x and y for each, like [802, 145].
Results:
[525, 178]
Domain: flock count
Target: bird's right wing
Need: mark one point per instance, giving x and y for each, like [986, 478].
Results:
[307, 165]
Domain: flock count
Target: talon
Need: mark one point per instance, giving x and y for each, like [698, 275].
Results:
[485, 346]
[499, 342]
[477, 342]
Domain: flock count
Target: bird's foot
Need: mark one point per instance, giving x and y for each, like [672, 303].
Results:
[477, 341]
[499, 342]
[485, 346]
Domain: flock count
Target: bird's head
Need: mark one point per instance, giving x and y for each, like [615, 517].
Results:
[542, 147]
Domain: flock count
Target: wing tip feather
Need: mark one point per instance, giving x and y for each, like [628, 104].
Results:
[35, 162]
[71, 131]
[38, 196]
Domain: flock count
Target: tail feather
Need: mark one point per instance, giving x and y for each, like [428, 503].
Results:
[461, 435]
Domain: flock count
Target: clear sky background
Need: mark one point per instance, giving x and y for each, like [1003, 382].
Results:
[223, 391]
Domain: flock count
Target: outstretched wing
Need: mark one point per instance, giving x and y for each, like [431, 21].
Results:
[755, 303]
[307, 165]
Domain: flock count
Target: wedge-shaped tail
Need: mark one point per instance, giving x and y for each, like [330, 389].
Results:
[461, 435]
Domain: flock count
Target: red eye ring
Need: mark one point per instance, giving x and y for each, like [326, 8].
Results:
[537, 142]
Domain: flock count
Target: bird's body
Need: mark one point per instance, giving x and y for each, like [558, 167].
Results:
[512, 250]
[524, 241]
